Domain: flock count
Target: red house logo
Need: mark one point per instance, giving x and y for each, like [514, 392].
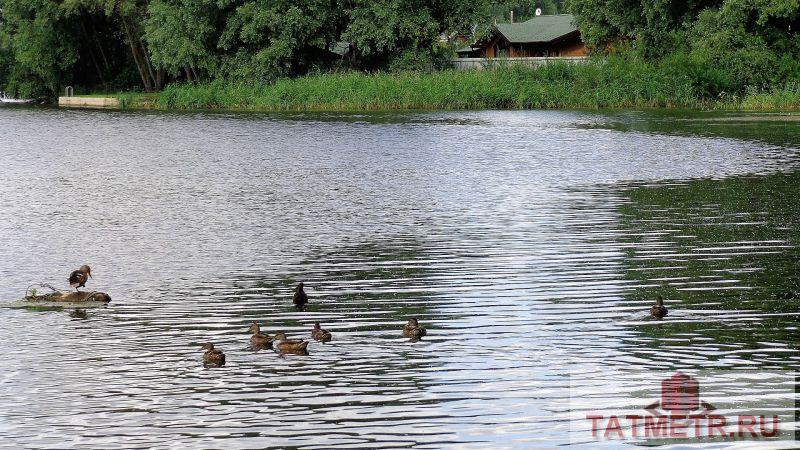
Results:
[680, 413]
[680, 394]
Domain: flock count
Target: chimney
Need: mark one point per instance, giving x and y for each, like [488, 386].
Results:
[512, 16]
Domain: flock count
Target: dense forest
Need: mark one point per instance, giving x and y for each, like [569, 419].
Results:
[724, 45]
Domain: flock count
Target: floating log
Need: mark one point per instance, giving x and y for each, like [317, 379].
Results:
[70, 297]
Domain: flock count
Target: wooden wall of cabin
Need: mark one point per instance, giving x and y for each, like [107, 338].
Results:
[496, 48]
[565, 48]
[499, 48]
[574, 49]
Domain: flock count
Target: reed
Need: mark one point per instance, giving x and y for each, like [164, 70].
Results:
[786, 98]
[601, 83]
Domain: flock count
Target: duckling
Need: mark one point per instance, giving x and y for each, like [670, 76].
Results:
[413, 330]
[318, 334]
[78, 278]
[300, 298]
[259, 340]
[212, 357]
[290, 345]
[659, 310]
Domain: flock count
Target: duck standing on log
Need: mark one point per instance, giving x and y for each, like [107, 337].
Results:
[78, 278]
[300, 298]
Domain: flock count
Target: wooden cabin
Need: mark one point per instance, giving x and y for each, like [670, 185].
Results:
[550, 36]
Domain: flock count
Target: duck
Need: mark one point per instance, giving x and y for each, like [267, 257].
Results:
[413, 330]
[659, 310]
[318, 334]
[259, 340]
[78, 278]
[212, 357]
[300, 298]
[286, 345]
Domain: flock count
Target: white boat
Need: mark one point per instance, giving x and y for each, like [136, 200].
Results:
[5, 99]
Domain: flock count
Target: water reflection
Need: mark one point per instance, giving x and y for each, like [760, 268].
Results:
[779, 129]
[725, 253]
[529, 244]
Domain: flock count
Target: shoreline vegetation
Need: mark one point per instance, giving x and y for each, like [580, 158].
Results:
[397, 54]
[600, 83]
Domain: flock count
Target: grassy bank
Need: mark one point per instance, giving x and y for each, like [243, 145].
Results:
[598, 84]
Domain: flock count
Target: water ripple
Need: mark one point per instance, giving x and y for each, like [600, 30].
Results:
[530, 244]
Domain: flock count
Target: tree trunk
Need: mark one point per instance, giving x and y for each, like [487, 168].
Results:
[99, 46]
[136, 56]
[194, 74]
[161, 77]
[100, 76]
[149, 64]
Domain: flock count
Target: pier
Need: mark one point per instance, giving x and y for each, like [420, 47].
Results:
[88, 102]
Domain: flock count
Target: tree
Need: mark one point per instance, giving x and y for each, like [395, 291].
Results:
[6, 54]
[182, 35]
[55, 43]
[40, 43]
[388, 32]
[265, 39]
[130, 14]
[752, 40]
[661, 27]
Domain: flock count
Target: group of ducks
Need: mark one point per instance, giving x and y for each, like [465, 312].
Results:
[260, 340]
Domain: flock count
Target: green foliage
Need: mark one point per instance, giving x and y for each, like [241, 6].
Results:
[525, 9]
[437, 58]
[615, 83]
[710, 50]
[52, 43]
[41, 55]
[708, 81]
[386, 27]
[49, 44]
[740, 37]
[6, 56]
[664, 26]
[266, 39]
[724, 46]
[776, 99]
[181, 33]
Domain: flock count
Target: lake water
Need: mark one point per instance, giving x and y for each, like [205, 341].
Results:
[531, 244]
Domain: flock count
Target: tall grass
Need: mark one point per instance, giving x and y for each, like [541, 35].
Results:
[612, 83]
[786, 98]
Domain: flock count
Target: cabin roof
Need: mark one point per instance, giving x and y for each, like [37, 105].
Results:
[538, 29]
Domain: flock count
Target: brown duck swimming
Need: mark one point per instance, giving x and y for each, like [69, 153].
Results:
[290, 345]
[259, 340]
[213, 357]
[413, 330]
[78, 278]
[318, 334]
[300, 298]
[659, 311]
